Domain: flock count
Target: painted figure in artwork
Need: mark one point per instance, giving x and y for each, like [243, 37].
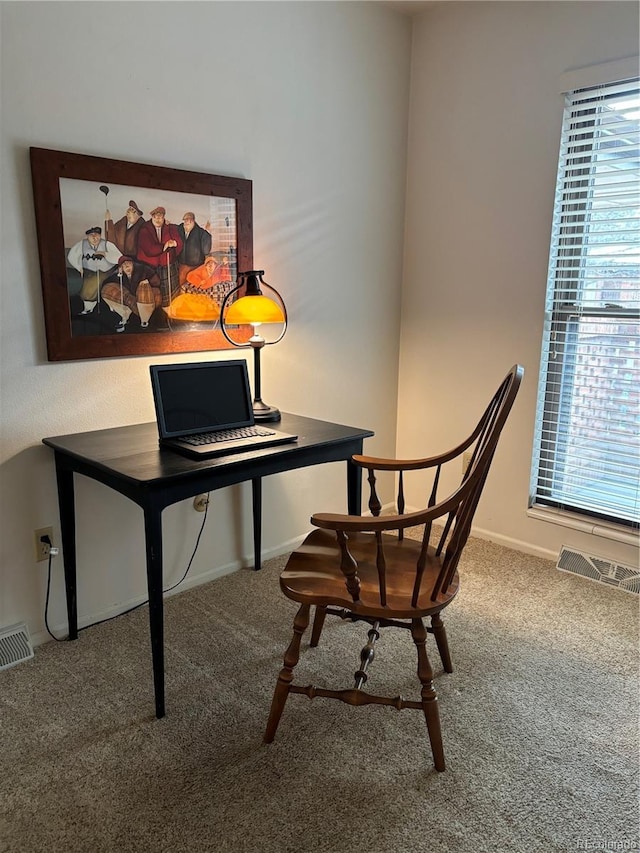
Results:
[93, 257]
[124, 233]
[133, 288]
[159, 244]
[196, 245]
[215, 277]
[198, 300]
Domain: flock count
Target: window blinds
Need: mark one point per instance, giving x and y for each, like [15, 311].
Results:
[587, 453]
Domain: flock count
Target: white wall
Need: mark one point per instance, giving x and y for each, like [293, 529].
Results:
[486, 113]
[308, 100]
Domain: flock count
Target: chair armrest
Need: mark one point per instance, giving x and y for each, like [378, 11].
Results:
[369, 524]
[381, 464]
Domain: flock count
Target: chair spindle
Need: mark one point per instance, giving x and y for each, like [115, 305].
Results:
[367, 655]
[434, 490]
[381, 565]
[374, 501]
[420, 565]
[349, 567]
[401, 503]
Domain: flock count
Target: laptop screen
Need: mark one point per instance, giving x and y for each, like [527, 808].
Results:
[201, 397]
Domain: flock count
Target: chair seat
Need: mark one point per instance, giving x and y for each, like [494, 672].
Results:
[313, 576]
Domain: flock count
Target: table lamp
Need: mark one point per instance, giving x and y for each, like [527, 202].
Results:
[254, 308]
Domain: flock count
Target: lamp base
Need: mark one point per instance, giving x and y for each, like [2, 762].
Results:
[264, 413]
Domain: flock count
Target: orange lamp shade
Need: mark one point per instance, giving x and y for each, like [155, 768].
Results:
[254, 309]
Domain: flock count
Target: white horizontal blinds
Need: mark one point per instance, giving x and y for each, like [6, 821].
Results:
[589, 407]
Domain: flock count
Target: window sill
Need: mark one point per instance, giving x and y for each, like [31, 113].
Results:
[606, 530]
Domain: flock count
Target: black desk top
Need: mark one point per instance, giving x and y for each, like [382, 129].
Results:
[133, 452]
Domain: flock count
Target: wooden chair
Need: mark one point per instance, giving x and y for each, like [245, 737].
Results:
[352, 567]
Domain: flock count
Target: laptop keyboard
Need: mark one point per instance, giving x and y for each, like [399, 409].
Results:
[201, 438]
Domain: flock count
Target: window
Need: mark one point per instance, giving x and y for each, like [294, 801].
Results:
[587, 452]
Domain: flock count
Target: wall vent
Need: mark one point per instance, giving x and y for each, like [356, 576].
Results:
[599, 569]
[15, 646]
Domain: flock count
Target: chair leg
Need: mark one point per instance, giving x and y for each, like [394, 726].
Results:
[318, 622]
[429, 697]
[283, 684]
[441, 641]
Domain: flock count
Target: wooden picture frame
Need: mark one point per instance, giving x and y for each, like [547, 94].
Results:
[73, 194]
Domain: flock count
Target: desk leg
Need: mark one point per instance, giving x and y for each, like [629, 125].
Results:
[256, 489]
[66, 506]
[354, 489]
[153, 540]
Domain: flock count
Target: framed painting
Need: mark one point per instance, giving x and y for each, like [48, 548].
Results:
[136, 259]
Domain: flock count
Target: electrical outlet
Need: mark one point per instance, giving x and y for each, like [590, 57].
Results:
[42, 548]
[200, 502]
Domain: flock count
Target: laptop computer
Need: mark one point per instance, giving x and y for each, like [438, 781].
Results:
[205, 409]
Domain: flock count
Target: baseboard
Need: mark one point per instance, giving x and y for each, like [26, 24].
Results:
[61, 630]
[515, 544]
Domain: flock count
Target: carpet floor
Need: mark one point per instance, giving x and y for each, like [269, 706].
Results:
[539, 720]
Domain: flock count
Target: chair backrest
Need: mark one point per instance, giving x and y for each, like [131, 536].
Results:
[484, 440]
[456, 511]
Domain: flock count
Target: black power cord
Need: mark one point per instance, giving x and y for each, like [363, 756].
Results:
[54, 551]
[47, 541]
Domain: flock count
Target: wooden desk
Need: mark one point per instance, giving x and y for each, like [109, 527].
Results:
[130, 461]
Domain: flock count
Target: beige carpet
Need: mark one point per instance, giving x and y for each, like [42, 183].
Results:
[540, 727]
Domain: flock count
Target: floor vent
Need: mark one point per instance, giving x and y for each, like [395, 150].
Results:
[15, 646]
[599, 569]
